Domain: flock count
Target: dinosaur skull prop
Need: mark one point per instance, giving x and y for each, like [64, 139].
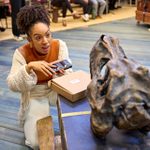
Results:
[119, 92]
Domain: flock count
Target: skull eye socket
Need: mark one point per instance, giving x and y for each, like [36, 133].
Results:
[104, 71]
[103, 68]
[102, 37]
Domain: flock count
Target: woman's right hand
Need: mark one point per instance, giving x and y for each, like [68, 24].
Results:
[42, 66]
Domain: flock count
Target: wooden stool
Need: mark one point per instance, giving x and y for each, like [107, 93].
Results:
[46, 133]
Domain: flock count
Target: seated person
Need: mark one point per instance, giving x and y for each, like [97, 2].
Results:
[64, 5]
[32, 68]
[98, 8]
[87, 7]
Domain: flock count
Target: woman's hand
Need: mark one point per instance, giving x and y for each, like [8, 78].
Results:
[42, 66]
[60, 71]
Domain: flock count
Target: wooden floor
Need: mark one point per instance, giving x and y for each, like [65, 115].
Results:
[134, 39]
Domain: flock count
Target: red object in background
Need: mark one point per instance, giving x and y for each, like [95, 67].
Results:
[143, 11]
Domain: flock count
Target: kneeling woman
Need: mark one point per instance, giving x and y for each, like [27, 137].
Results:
[32, 68]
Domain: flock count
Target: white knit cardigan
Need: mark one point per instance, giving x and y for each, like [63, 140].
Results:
[20, 81]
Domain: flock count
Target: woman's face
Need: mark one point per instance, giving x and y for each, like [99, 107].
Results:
[40, 36]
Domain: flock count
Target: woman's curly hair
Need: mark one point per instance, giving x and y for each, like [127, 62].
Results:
[30, 15]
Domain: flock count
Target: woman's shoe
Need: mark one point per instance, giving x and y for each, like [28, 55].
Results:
[2, 29]
[76, 16]
[99, 16]
[18, 38]
[85, 17]
[64, 23]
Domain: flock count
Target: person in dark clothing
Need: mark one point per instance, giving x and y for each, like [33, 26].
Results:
[15, 7]
[64, 5]
[112, 4]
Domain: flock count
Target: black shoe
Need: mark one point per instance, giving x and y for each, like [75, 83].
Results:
[112, 8]
[2, 29]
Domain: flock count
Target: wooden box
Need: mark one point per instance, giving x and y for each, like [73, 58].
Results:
[72, 86]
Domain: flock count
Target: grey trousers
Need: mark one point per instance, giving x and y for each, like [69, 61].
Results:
[98, 7]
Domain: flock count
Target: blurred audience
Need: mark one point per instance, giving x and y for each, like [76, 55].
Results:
[98, 8]
[87, 8]
[64, 5]
[95, 8]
